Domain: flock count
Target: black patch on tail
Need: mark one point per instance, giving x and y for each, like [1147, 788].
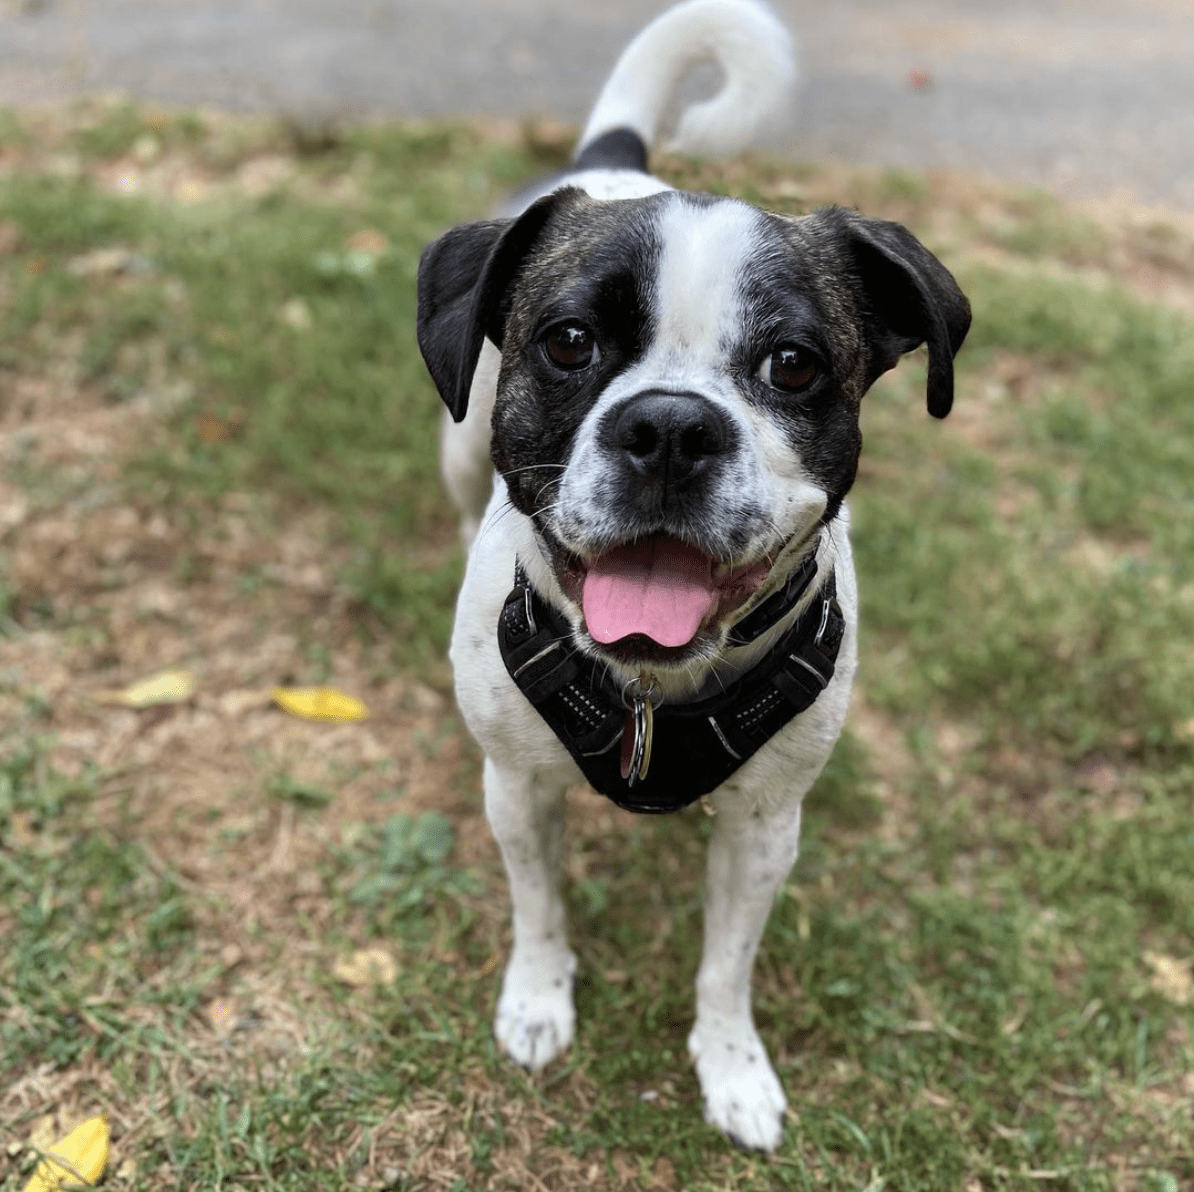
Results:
[618, 149]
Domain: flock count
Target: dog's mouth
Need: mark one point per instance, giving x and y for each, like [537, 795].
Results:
[658, 592]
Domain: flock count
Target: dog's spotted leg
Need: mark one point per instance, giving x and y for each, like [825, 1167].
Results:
[752, 850]
[535, 1017]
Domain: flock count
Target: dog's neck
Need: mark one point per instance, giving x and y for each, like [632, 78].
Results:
[649, 754]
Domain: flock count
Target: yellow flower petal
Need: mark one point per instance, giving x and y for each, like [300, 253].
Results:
[78, 1158]
[320, 703]
[169, 687]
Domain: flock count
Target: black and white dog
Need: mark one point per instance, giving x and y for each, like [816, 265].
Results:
[660, 594]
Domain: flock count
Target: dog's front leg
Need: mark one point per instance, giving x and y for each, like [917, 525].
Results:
[535, 1017]
[752, 851]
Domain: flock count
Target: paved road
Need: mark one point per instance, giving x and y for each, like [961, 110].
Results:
[1085, 97]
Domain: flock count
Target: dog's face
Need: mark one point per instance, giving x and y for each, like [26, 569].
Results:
[677, 407]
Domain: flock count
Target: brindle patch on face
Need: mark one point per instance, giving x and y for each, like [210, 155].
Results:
[688, 292]
[800, 289]
[593, 266]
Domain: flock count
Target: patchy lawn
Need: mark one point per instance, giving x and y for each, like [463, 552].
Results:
[269, 948]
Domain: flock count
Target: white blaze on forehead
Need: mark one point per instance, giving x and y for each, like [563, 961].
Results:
[697, 287]
[759, 496]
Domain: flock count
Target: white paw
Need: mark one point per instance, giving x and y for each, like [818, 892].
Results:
[742, 1093]
[535, 1018]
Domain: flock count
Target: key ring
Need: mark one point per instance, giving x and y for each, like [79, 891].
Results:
[632, 693]
[640, 723]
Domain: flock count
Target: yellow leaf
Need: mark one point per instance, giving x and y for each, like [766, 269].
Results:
[369, 966]
[78, 1158]
[368, 240]
[1172, 978]
[320, 703]
[222, 1013]
[169, 687]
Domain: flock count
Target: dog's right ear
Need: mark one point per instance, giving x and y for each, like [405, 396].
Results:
[465, 280]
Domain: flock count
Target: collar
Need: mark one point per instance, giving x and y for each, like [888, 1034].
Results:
[691, 748]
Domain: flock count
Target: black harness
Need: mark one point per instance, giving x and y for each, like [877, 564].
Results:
[692, 748]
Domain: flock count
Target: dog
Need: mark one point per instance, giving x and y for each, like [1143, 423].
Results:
[652, 426]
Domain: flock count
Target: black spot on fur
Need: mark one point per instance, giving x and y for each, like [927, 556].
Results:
[618, 149]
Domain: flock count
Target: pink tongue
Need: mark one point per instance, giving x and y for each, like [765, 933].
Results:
[660, 587]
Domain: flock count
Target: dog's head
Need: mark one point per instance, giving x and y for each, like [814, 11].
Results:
[677, 407]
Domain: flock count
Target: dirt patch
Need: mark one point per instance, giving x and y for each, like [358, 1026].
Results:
[239, 803]
[110, 591]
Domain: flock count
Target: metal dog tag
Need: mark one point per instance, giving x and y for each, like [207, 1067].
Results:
[640, 726]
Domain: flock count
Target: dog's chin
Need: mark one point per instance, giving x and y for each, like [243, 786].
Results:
[638, 652]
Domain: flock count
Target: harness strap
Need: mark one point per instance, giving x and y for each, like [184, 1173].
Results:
[696, 746]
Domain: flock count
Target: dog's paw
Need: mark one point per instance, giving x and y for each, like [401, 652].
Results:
[535, 1018]
[743, 1095]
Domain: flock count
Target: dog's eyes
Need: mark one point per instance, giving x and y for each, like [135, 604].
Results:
[789, 369]
[570, 346]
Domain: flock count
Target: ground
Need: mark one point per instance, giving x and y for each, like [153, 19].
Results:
[268, 948]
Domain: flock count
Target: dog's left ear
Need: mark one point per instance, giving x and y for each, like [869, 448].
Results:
[911, 298]
[463, 280]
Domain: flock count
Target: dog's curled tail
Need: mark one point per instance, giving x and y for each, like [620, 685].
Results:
[743, 37]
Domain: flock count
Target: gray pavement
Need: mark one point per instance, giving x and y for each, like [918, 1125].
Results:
[1088, 98]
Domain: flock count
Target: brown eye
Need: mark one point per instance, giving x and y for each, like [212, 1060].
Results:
[789, 369]
[570, 346]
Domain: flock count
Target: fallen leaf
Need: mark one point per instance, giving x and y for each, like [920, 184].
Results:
[78, 1158]
[368, 240]
[297, 314]
[168, 687]
[20, 830]
[192, 190]
[1172, 978]
[368, 966]
[212, 429]
[222, 1015]
[320, 703]
[108, 261]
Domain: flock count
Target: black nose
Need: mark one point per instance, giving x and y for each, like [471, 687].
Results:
[670, 436]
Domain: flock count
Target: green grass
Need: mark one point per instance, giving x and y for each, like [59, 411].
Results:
[955, 984]
[86, 914]
[1067, 631]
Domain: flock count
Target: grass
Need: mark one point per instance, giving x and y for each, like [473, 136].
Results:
[219, 451]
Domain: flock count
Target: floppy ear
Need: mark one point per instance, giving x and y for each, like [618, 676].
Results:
[464, 277]
[912, 299]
